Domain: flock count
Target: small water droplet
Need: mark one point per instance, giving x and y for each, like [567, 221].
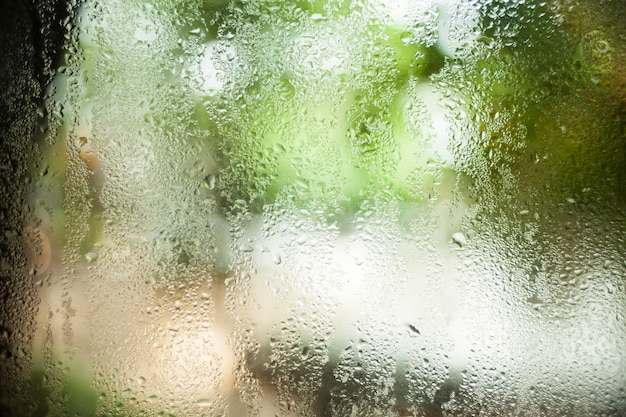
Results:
[246, 247]
[204, 402]
[209, 182]
[602, 46]
[610, 288]
[91, 257]
[414, 330]
[459, 238]
[305, 353]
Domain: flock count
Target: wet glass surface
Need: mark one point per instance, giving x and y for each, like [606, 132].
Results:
[314, 208]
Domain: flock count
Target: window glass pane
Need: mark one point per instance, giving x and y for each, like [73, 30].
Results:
[315, 208]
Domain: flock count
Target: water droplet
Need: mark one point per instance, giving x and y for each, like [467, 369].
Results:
[460, 239]
[584, 284]
[91, 257]
[305, 353]
[209, 182]
[285, 88]
[610, 288]
[602, 46]
[414, 330]
[246, 247]
[204, 402]
[317, 17]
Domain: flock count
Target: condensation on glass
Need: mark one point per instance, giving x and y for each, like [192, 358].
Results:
[314, 208]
